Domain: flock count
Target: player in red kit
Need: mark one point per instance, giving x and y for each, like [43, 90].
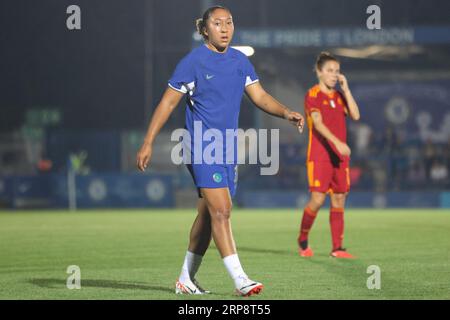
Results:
[328, 155]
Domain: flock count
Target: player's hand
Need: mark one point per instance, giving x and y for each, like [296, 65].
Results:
[343, 149]
[143, 156]
[343, 82]
[296, 119]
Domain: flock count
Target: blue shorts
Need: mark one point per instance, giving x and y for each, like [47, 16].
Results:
[214, 176]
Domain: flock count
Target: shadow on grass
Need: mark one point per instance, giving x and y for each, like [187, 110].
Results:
[110, 284]
[265, 251]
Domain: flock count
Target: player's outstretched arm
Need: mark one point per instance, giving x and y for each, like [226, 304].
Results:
[270, 105]
[168, 103]
[342, 147]
[353, 109]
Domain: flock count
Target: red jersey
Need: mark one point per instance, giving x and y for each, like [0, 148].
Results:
[333, 109]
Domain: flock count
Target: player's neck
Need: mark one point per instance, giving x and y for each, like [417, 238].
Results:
[325, 89]
[212, 47]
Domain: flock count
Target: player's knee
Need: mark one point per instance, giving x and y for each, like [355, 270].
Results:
[222, 213]
[316, 203]
[314, 206]
[339, 196]
[338, 200]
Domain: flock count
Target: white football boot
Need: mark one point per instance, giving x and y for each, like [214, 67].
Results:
[188, 287]
[249, 287]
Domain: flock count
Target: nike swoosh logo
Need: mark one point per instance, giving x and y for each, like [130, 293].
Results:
[248, 286]
[192, 291]
[209, 76]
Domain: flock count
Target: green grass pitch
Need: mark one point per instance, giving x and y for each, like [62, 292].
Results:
[137, 254]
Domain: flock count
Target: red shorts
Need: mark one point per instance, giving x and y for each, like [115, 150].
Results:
[328, 177]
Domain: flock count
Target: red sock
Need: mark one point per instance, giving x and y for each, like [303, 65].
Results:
[337, 227]
[307, 221]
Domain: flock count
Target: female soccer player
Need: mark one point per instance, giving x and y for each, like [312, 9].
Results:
[328, 154]
[214, 76]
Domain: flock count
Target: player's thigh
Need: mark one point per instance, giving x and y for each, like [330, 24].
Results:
[218, 201]
[202, 208]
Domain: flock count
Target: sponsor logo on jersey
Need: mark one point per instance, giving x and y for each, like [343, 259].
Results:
[333, 105]
[217, 177]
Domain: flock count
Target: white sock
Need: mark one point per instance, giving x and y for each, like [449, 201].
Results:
[190, 267]
[234, 268]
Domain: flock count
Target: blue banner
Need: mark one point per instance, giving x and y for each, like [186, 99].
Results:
[157, 191]
[122, 191]
[292, 199]
[337, 37]
[445, 199]
[420, 109]
[92, 191]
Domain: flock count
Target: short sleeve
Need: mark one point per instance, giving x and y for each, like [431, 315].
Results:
[311, 104]
[250, 74]
[183, 78]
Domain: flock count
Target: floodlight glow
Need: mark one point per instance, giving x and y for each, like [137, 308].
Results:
[247, 50]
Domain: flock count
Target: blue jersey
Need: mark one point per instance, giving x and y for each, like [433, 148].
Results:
[214, 83]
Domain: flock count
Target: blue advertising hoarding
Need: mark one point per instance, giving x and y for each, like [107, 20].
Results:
[337, 37]
[92, 191]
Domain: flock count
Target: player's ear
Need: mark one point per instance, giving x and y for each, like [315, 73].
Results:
[317, 72]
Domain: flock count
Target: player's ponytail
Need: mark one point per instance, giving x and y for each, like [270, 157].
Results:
[200, 24]
[323, 58]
